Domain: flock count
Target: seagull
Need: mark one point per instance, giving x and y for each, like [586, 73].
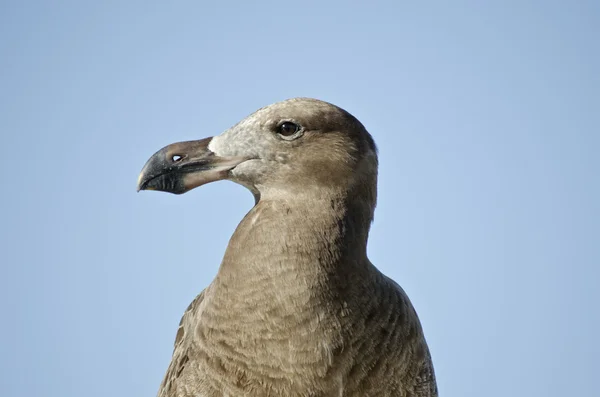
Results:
[296, 308]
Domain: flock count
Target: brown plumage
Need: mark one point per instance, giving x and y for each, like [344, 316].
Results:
[297, 308]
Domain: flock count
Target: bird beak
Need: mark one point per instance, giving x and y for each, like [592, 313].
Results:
[182, 166]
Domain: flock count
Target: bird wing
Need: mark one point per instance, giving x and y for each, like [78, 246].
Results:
[423, 383]
[181, 350]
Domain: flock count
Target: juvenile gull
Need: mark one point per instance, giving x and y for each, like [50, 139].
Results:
[296, 308]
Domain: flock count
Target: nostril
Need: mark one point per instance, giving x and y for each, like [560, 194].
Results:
[176, 158]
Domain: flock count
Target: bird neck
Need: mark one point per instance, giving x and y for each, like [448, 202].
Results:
[298, 237]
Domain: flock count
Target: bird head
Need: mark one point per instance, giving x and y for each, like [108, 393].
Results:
[286, 148]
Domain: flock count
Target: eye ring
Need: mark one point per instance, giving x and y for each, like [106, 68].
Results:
[289, 130]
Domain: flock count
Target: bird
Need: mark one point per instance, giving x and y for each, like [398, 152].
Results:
[296, 308]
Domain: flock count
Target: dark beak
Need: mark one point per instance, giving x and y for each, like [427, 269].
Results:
[182, 166]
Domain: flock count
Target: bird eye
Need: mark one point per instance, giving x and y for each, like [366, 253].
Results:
[288, 129]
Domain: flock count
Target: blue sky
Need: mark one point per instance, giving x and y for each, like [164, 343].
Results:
[487, 122]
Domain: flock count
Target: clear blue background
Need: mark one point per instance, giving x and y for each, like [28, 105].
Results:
[487, 119]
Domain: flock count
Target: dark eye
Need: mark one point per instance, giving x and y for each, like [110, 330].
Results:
[288, 129]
